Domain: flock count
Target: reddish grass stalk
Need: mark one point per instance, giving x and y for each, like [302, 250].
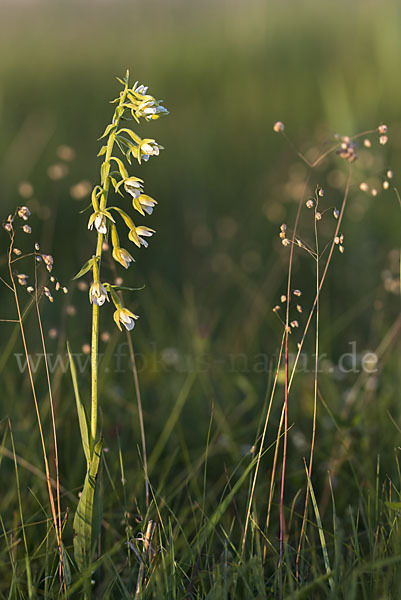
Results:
[286, 389]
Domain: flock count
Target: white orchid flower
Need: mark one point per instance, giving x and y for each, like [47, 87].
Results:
[126, 317]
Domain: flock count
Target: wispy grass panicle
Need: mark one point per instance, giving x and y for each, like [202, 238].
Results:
[321, 251]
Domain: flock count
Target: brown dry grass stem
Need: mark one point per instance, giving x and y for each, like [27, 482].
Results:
[261, 446]
[56, 514]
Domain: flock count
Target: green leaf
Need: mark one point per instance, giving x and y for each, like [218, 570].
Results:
[82, 417]
[102, 151]
[122, 169]
[108, 129]
[106, 213]
[121, 288]
[394, 505]
[87, 267]
[103, 170]
[86, 518]
[96, 193]
[81, 212]
[97, 514]
[127, 220]
[131, 133]
[66, 566]
[119, 112]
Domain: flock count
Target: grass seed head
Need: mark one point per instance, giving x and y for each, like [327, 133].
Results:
[278, 127]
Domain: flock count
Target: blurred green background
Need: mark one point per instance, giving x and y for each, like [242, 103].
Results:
[227, 71]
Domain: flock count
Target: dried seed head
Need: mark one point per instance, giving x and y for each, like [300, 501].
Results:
[37, 247]
[48, 260]
[294, 324]
[283, 227]
[389, 174]
[22, 278]
[364, 186]
[278, 127]
[48, 294]
[336, 213]
[299, 308]
[26, 229]
[341, 249]
[374, 192]
[382, 129]
[386, 185]
[309, 203]
[383, 139]
[30, 289]
[347, 150]
[24, 213]
[367, 143]
[282, 235]
[57, 286]
[297, 293]
[17, 252]
[65, 290]
[336, 240]
[321, 192]
[285, 242]
[318, 216]
[7, 226]
[276, 308]
[283, 298]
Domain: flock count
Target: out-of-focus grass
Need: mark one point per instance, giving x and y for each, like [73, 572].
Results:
[227, 71]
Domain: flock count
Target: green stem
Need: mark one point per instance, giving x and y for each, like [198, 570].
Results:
[98, 258]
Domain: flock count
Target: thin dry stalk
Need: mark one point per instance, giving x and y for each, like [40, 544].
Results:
[286, 389]
[140, 414]
[315, 392]
[261, 448]
[147, 550]
[57, 524]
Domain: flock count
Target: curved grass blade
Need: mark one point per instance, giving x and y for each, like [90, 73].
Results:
[83, 419]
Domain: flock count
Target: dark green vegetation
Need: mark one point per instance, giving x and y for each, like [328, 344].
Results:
[207, 337]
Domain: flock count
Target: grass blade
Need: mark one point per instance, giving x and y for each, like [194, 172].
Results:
[82, 417]
[321, 532]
